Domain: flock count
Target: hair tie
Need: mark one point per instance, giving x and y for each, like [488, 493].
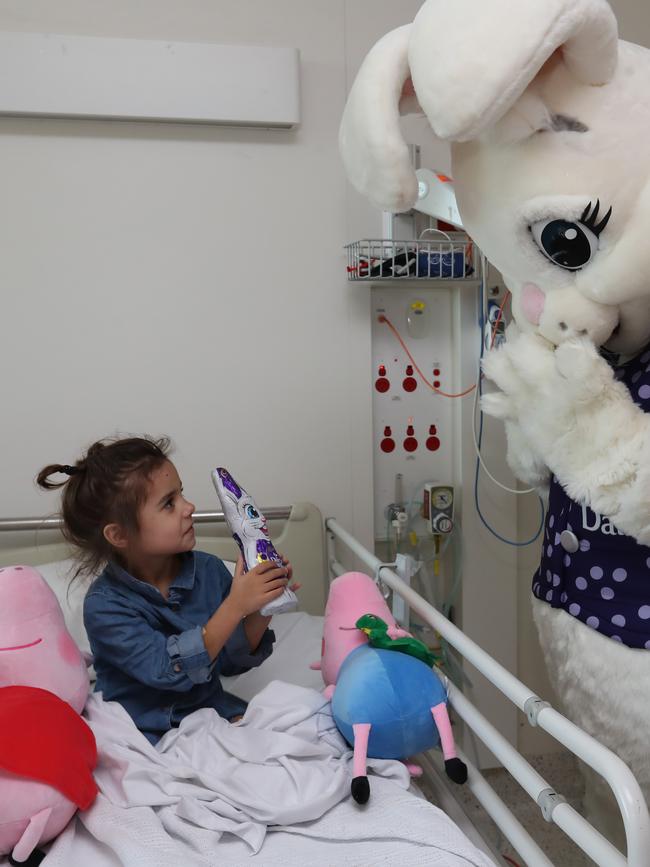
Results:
[70, 471]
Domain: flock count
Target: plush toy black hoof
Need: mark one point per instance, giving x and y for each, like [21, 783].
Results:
[456, 770]
[33, 861]
[360, 789]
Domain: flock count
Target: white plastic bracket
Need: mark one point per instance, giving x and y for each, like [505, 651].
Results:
[405, 566]
[533, 706]
[547, 801]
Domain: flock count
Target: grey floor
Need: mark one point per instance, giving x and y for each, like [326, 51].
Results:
[561, 772]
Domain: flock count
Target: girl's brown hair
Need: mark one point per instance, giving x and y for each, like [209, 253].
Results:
[106, 486]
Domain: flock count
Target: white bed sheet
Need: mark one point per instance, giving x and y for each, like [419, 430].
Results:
[298, 640]
[396, 827]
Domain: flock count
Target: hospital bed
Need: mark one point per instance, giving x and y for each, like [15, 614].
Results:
[318, 551]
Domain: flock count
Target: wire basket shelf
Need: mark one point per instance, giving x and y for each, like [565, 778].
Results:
[426, 259]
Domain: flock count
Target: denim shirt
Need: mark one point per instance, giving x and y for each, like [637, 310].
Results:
[149, 652]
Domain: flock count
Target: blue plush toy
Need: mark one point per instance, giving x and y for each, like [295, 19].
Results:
[387, 701]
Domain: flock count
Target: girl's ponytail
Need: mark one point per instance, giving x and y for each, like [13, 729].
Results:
[42, 479]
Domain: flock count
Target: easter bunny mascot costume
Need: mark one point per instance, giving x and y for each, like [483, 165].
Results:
[548, 117]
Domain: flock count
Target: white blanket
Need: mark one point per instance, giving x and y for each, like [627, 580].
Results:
[213, 793]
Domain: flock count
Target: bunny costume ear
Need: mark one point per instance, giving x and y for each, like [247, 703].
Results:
[370, 140]
[470, 62]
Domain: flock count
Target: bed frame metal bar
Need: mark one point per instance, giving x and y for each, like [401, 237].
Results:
[624, 785]
[501, 815]
[55, 522]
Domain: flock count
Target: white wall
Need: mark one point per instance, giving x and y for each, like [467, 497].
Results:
[633, 20]
[190, 280]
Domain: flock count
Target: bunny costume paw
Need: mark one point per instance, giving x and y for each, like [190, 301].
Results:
[576, 418]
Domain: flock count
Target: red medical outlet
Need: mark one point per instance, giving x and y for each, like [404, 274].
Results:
[433, 443]
[410, 443]
[410, 383]
[388, 443]
[382, 383]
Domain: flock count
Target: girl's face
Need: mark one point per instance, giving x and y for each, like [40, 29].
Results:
[165, 518]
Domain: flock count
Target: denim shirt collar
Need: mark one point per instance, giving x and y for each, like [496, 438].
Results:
[183, 581]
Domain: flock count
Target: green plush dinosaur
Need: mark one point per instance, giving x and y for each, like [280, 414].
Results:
[377, 631]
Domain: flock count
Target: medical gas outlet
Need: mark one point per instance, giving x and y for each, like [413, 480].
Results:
[412, 372]
[438, 508]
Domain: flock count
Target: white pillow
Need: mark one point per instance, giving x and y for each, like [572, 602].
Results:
[58, 576]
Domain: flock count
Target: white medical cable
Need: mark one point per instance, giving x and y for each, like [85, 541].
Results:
[476, 400]
[480, 457]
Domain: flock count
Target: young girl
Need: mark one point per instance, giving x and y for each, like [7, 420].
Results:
[164, 621]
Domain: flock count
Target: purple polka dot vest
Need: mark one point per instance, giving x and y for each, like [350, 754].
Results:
[605, 582]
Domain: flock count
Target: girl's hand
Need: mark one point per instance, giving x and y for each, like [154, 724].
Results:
[295, 586]
[252, 590]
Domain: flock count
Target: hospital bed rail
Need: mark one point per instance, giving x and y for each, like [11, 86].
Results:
[55, 522]
[538, 712]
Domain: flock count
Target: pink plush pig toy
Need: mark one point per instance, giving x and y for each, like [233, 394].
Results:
[387, 702]
[350, 596]
[47, 752]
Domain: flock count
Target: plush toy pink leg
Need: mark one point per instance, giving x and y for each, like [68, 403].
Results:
[454, 768]
[31, 836]
[413, 769]
[328, 692]
[360, 787]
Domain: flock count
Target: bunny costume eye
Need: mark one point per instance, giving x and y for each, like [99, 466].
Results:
[251, 512]
[570, 244]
